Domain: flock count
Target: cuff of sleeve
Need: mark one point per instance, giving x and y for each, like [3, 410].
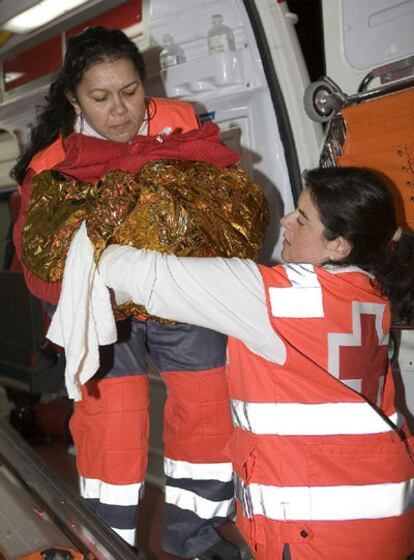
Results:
[112, 266]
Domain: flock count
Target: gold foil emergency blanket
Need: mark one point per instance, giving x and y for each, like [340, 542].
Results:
[117, 195]
[196, 209]
[57, 207]
[173, 206]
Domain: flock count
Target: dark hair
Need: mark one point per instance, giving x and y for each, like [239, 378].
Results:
[357, 204]
[93, 45]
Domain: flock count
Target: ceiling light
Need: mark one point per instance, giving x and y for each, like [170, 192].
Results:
[12, 76]
[39, 14]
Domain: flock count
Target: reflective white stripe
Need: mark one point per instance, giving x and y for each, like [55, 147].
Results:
[295, 419]
[129, 535]
[303, 299]
[398, 419]
[302, 275]
[327, 503]
[335, 269]
[113, 494]
[198, 471]
[202, 507]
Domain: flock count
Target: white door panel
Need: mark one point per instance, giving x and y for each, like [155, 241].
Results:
[361, 35]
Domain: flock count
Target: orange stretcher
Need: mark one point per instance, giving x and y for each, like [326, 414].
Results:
[380, 136]
[373, 129]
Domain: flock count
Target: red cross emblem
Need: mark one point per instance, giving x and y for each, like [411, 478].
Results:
[360, 359]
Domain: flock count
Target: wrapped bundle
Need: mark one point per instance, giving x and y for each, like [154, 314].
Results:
[57, 207]
[179, 207]
[195, 209]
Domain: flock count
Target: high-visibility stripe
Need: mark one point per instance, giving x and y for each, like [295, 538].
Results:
[129, 535]
[198, 471]
[303, 299]
[296, 419]
[326, 503]
[337, 269]
[397, 419]
[113, 494]
[301, 275]
[202, 507]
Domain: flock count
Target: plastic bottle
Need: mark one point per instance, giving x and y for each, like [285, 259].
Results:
[171, 54]
[220, 37]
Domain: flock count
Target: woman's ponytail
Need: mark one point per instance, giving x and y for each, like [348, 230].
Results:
[395, 276]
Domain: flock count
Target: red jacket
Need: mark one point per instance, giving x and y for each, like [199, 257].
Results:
[88, 159]
[319, 461]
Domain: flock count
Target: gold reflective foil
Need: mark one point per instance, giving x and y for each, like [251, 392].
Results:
[116, 196]
[57, 207]
[174, 206]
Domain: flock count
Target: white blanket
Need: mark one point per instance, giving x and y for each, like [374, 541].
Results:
[83, 319]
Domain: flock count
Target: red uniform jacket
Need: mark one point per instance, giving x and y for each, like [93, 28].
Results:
[319, 460]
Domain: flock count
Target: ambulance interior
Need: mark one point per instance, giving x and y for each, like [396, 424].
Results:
[281, 97]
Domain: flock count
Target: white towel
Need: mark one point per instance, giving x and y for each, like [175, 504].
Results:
[83, 319]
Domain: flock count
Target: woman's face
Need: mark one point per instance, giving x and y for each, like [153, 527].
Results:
[110, 98]
[303, 239]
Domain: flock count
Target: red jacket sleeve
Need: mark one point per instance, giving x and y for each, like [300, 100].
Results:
[46, 291]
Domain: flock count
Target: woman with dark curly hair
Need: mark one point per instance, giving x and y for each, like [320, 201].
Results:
[96, 119]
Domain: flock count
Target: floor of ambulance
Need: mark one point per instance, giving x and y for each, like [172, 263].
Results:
[60, 458]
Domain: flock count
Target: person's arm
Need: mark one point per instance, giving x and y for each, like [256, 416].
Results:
[226, 295]
[45, 291]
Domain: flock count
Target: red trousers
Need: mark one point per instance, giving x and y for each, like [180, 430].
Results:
[110, 428]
